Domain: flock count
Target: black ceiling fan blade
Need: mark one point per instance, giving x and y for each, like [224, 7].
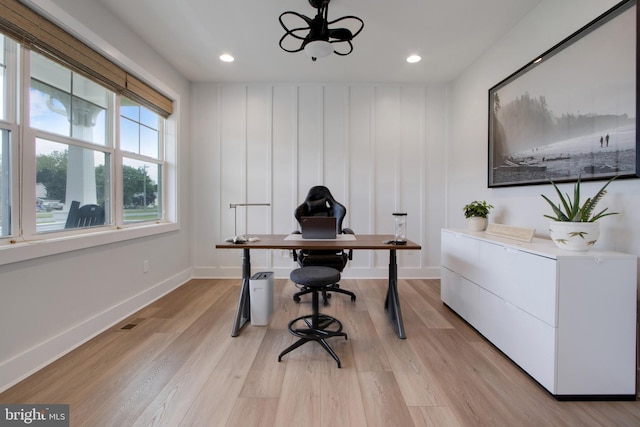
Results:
[306, 19]
[292, 34]
[353, 20]
[341, 34]
[288, 49]
[341, 51]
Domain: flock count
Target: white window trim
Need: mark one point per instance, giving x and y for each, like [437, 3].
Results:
[26, 250]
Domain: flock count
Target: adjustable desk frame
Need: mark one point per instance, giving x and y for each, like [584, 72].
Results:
[273, 241]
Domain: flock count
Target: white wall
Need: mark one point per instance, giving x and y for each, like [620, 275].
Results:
[379, 148]
[545, 26]
[51, 304]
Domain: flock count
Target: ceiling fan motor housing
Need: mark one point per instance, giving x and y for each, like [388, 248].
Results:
[318, 3]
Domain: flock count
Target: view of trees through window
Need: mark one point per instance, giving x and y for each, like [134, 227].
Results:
[139, 190]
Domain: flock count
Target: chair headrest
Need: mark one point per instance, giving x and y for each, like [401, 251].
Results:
[318, 206]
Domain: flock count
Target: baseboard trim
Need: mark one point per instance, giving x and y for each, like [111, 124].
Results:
[30, 361]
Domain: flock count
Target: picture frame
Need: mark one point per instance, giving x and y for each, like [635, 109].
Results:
[571, 112]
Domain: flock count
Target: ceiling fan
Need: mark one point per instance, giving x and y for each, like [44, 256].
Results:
[315, 36]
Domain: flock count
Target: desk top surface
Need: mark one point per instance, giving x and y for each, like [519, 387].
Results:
[279, 241]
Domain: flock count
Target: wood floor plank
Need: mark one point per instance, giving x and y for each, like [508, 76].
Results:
[455, 366]
[429, 316]
[264, 379]
[418, 385]
[178, 365]
[383, 402]
[341, 398]
[253, 412]
[299, 403]
[433, 416]
[368, 350]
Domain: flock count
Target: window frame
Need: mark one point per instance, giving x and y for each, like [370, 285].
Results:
[12, 53]
[160, 161]
[18, 246]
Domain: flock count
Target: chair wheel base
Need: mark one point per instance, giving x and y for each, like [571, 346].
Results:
[315, 327]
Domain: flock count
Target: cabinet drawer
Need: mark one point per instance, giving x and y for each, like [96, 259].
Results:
[526, 340]
[460, 254]
[460, 295]
[523, 279]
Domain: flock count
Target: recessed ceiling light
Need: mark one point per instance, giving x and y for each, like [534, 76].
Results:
[226, 58]
[413, 59]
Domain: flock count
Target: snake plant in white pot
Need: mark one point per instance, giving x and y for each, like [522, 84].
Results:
[573, 226]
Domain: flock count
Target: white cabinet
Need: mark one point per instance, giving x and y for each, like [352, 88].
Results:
[567, 318]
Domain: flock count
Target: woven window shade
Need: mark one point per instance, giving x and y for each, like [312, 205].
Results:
[43, 36]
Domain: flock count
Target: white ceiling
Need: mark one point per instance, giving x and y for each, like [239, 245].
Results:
[448, 34]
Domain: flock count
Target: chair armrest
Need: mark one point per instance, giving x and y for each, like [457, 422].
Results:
[348, 231]
[294, 253]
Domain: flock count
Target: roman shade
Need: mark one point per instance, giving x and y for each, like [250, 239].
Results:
[41, 35]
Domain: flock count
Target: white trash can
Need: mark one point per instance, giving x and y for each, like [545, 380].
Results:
[261, 297]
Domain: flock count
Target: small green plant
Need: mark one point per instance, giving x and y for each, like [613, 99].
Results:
[569, 210]
[477, 209]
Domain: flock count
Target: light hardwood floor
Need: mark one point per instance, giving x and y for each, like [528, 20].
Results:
[179, 366]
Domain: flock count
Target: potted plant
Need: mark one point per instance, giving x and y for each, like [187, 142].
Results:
[573, 226]
[476, 213]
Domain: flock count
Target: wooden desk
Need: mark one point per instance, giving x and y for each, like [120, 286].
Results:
[361, 241]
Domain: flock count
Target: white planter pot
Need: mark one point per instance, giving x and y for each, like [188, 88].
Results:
[574, 236]
[476, 223]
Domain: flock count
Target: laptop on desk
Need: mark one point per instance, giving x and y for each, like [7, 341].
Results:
[318, 227]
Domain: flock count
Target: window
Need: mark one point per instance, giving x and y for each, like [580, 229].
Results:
[66, 103]
[142, 163]
[3, 84]
[67, 173]
[69, 116]
[80, 144]
[5, 184]
[7, 128]
[77, 133]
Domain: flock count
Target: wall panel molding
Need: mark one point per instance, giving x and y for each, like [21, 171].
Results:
[372, 145]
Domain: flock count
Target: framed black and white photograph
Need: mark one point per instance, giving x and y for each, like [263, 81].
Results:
[571, 112]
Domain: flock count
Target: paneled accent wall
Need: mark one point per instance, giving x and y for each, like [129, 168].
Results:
[379, 148]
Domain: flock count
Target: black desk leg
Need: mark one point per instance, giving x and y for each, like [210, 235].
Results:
[392, 301]
[243, 311]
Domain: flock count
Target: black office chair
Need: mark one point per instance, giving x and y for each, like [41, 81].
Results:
[320, 202]
[85, 216]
